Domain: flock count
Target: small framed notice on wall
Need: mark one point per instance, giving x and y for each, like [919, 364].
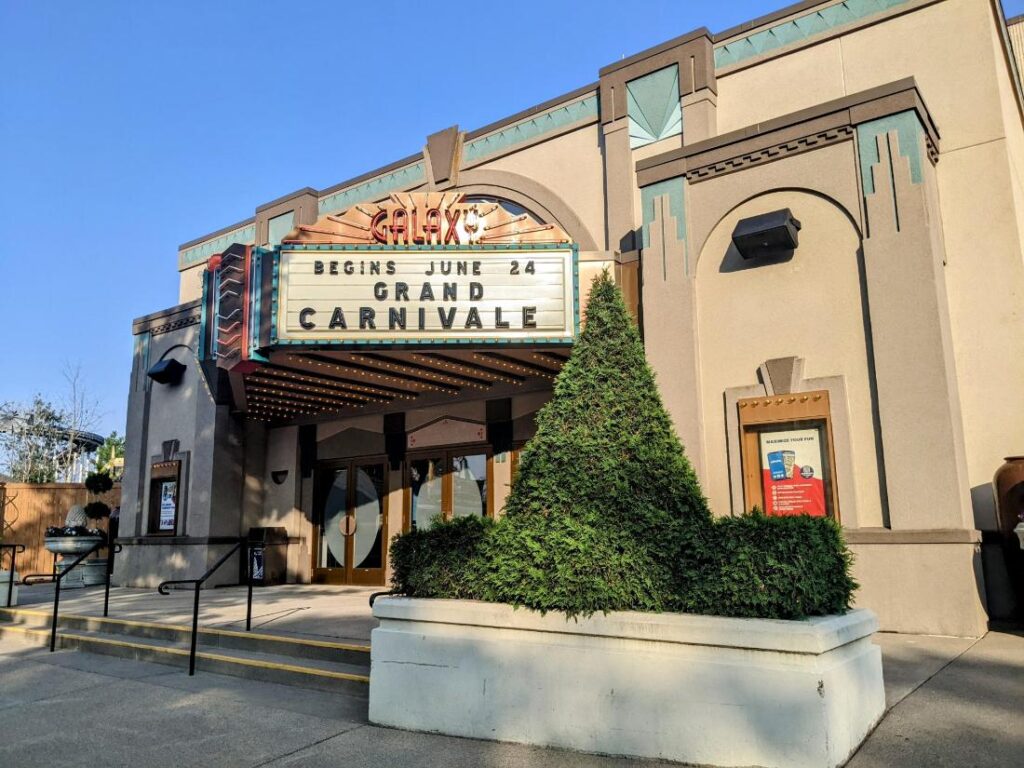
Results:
[788, 466]
[164, 482]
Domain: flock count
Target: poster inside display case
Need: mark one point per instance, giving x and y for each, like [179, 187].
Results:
[787, 454]
[793, 471]
[164, 497]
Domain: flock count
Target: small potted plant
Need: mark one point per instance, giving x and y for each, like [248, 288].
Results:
[97, 483]
[76, 536]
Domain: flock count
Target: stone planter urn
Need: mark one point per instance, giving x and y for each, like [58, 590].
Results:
[94, 571]
[5, 577]
[1008, 485]
[68, 547]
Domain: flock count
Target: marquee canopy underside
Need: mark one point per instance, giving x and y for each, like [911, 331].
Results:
[317, 385]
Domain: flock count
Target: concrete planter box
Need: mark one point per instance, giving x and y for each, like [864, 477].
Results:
[695, 689]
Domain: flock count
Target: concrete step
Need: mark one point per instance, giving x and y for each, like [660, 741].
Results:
[292, 646]
[279, 666]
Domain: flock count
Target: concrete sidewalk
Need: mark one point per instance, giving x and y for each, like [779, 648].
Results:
[315, 611]
[954, 702]
[967, 713]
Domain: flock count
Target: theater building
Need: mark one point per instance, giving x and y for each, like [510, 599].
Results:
[816, 218]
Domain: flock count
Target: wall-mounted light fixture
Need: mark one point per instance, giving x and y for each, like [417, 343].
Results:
[279, 476]
[168, 371]
[769, 235]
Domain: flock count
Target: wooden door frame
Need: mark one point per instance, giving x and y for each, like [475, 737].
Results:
[445, 453]
[349, 574]
[355, 575]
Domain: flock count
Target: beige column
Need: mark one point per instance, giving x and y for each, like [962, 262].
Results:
[700, 115]
[396, 513]
[620, 183]
[918, 400]
[502, 474]
[670, 327]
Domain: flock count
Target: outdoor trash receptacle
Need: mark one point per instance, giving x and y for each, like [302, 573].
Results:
[268, 555]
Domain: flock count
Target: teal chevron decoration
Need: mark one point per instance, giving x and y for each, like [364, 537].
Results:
[909, 130]
[279, 226]
[525, 130]
[245, 235]
[141, 351]
[799, 29]
[374, 189]
[653, 107]
[675, 189]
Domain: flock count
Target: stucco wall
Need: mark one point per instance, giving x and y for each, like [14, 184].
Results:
[809, 307]
[971, 98]
[571, 166]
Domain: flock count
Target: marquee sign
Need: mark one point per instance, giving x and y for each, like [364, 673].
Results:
[425, 268]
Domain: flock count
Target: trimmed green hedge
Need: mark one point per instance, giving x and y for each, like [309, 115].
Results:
[442, 560]
[756, 566]
[606, 513]
[752, 566]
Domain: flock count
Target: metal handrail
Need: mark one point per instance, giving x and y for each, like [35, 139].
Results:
[42, 578]
[375, 595]
[197, 583]
[16, 549]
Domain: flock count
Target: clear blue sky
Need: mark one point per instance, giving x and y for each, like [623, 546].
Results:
[127, 128]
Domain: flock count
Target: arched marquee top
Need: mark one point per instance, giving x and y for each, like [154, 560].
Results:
[428, 218]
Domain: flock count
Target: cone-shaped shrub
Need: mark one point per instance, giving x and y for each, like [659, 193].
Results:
[606, 514]
[599, 487]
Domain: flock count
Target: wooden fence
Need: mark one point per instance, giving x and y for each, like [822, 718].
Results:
[31, 508]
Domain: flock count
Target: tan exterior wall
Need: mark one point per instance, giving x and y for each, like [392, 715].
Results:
[190, 283]
[782, 85]
[809, 307]
[921, 588]
[571, 166]
[971, 98]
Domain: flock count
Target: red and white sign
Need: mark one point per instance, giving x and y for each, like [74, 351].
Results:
[792, 471]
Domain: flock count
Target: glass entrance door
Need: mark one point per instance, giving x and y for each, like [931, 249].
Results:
[351, 528]
[448, 484]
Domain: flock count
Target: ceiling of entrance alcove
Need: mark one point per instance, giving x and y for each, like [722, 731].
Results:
[304, 387]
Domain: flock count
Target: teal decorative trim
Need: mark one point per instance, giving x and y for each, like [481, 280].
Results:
[799, 29]
[275, 271]
[909, 130]
[279, 226]
[373, 189]
[203, 330]
[255, 304]
[674, 188]
[198, 253]
[142, 353]
[517, 133]
[652, 103]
